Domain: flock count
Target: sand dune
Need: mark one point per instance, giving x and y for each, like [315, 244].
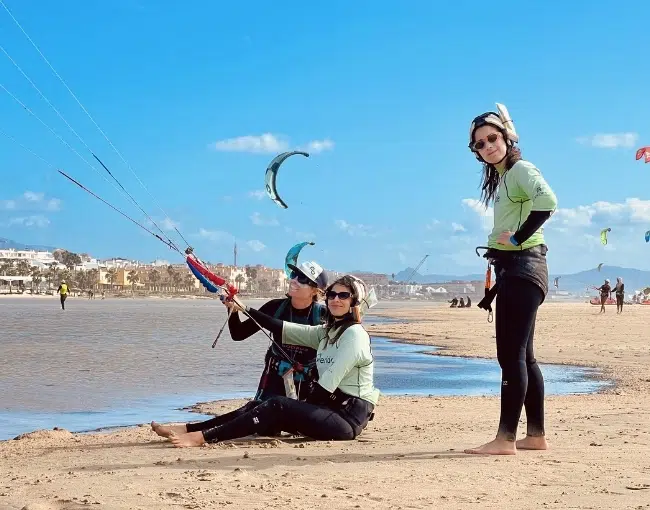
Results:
[409, 457]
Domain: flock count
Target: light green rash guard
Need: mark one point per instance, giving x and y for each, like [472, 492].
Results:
[347, 364]
[522, 189]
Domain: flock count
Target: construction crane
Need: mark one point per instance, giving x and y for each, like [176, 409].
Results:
[416, 269]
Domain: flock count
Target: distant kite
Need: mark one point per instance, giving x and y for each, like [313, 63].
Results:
[600, 265]
[556, 282]
[643, 151]
[647, 236]
[603, 235]
[271, 173]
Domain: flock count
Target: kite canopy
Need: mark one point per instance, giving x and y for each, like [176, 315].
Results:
[271, 174]
[643, 151]
[603, 235]
[647, 236]
[292, 256]
[600, 265]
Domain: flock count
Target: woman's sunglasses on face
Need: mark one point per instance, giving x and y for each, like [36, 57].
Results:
[331, 295]
[301, 278]
[480, 144]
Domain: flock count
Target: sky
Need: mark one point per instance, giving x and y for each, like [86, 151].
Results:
[198, 97]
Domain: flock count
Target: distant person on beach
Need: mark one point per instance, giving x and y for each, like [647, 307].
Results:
[302, 305]
[523, 202]
[605, 292]
[454, 303]
[461, 304]
[619, 290]
[340, 402]
[63, 293]
[469, 302]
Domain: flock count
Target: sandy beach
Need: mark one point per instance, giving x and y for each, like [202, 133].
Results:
[410, 456]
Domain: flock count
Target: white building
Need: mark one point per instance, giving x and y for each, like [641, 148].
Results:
[39, 259]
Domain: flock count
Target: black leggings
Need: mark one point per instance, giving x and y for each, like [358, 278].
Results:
[222, 418]
[63, 298]
[287, 415]
[522, 383]
[619, 302]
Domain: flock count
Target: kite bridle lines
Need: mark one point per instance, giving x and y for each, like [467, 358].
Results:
[210, 281]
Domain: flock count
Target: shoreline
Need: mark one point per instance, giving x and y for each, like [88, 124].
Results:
[414, 445]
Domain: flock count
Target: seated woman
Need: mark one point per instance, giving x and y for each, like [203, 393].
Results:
[301, 306]
[341, 402]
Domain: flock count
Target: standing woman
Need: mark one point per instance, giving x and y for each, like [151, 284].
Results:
[523, 201]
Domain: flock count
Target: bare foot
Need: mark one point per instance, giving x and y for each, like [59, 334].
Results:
[165, 431]
[532, 443]
[495, 447]
[187, 440]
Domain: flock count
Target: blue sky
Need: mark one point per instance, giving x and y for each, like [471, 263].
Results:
[199, 96]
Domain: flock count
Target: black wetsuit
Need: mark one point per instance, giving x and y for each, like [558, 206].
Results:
[522, 285]
[605, 292]
[620, 295]
[324, 416]
[271, 383]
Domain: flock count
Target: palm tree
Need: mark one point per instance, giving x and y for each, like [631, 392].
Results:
[154, 277]
[189, 281]
[171, 272]
[93, 278]
[239, 279]
[133, 277]
[177, 279]
[37, 277]
[111, 276]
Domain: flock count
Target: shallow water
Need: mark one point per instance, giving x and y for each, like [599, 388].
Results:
[124, 361]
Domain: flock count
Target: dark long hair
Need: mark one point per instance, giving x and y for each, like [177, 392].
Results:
[490, 175]
[348, 319]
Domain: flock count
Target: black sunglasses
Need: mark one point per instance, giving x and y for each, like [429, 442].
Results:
[479, 144]
[341, 295]
[295, 275]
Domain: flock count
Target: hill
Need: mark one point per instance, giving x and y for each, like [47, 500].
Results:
[577, 283]
[6, 244]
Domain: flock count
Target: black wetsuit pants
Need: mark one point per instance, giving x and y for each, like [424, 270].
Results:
[63, 298]
[288, 415]
[522, 383]
[619, 302]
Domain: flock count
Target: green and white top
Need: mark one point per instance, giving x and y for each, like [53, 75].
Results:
[522, 189]
[346, 364]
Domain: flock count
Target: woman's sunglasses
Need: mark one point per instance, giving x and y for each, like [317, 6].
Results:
[341, 295]
[480, 144]
[301, 278]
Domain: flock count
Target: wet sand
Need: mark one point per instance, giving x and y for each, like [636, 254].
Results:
[409, 457]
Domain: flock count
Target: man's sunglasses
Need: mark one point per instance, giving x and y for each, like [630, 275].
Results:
[301, 278]
[480, 144]
[341, 295]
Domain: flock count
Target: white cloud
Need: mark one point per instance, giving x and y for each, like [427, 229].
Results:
[30, 196]
[257, 194]
[302, 236]
[486, 214]
[169, 224]
[261, 221]
[604, 214]
[610, 140]
[265, 143]
[53, 204]
[355, 230]
[31, 201]
[432, 224]
[37, 221]
[256, 245]
[457, 227]
[216, 235]
[318, 146]
[268, 143]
